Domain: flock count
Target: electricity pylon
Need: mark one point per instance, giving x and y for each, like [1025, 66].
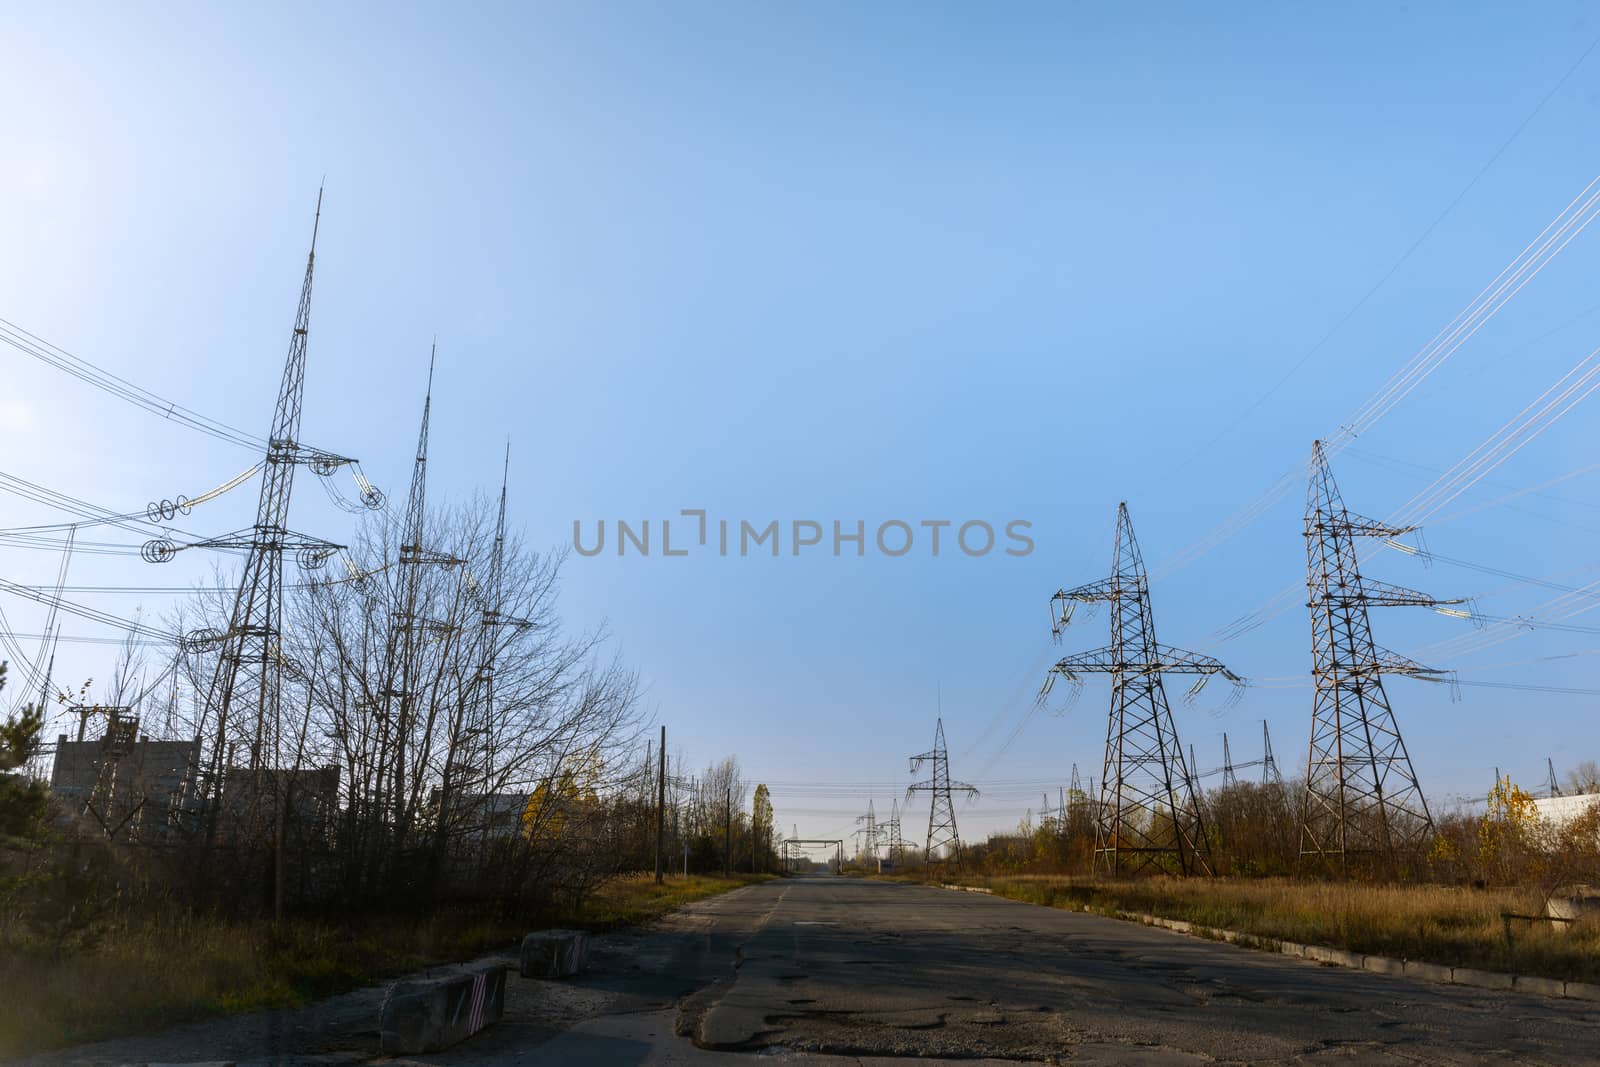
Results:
[1362, 796]
[406, 626]
[478, 755]
[869, 834]
[1269, 765]
[942, 811]
[1148, 813]
[1229, 780]
[897, 845]
[246, 686]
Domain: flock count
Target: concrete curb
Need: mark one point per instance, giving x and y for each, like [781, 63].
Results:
[1437, 973]
[1337, 957]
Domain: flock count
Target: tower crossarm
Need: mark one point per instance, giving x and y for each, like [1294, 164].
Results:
[1092, 592]
[932, 786]
[1395, 663]
[1375, 594]
[321, 463]
[1361, 526]
[1168, 659]
[313, 551]
[1065, 600]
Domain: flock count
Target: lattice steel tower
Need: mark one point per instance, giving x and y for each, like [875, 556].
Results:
[244, 694]
[1269, 763]
[869, 834]
[942, 811]
[897, 845]
[1362, 797]
[1148, 813]
[408, 624]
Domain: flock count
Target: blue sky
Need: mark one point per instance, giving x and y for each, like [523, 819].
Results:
[830, 262]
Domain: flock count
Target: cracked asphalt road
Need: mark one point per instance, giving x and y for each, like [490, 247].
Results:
[833, 971]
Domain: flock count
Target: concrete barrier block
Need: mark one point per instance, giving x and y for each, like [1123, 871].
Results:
[1179, 925]
[1581, 990]
[1539, 987]
[1480, 979]
[1428, 972]
[554, 953]
[1291, 948]
[1383, 965]
[1338, 956]
[433, 1013]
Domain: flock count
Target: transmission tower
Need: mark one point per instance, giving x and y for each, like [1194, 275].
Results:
[897, 845]
[1269, 765]
[477, 771]
[1362, 797]
[408, 625]
[244, 693]
[868, 834]
[1148, 813]
[1076, 796]
[942, 810]
[1555, 788]
[1228, 778]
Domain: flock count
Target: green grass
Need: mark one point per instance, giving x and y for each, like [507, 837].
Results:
[1437, 924]
[143, 973]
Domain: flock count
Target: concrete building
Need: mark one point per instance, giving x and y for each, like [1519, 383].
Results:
[123, 784]
[1560, 811]
[307, 798]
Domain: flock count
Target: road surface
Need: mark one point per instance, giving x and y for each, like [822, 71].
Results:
[832, 971]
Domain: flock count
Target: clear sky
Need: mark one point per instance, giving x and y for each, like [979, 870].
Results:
[920, 261]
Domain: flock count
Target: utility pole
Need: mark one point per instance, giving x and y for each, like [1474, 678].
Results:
[1362, 795]
[661, 803]
[727, 833]
[1149, 813]
[942, 809]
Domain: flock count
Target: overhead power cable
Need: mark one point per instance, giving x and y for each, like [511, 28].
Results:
[1527, 265]
[53, 355]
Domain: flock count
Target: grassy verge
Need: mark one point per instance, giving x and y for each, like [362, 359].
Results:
[152, 971]
[1438, 924]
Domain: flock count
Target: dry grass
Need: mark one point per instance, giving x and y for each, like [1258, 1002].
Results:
[1438, 924]
[144, 973]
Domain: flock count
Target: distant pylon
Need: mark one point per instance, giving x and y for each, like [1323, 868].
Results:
[1362, 796]
[942, 810]
[1149, 814]
[897, 845]
[1555, 789]
[1269, 765]
[1076, 795]
[1228, 779]
[869, 833]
